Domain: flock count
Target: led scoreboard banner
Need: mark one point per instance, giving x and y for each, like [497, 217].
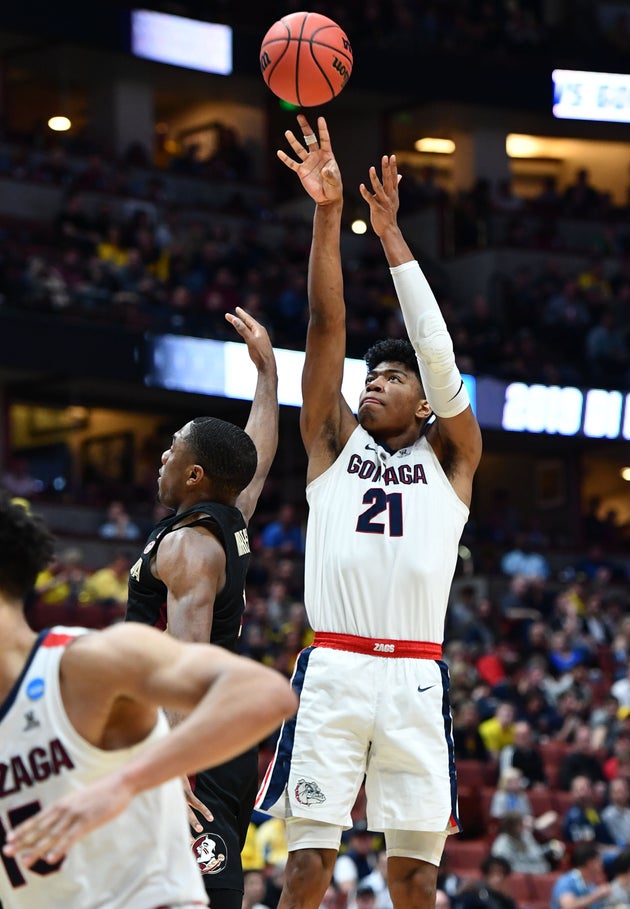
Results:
[584, 95]
[592, 413]
[223, 369]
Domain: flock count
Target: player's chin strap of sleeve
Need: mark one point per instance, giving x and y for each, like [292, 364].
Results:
[441, 379]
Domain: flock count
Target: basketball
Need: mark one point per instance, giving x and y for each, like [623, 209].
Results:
[306, 59]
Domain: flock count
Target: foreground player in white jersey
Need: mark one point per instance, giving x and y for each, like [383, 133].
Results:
[92, 809]
[388, 496]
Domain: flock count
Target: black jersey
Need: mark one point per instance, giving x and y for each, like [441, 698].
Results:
[147, 595]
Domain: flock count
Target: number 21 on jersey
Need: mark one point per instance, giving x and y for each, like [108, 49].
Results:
[384, 514]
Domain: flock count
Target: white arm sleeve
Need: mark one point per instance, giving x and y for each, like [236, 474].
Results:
[427, 331]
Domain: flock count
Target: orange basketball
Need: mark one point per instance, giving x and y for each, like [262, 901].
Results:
[306, 59]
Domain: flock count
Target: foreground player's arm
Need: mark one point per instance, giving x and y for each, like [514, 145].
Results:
[112, 684]
[326, 421]
[262, 425]
[456, 425]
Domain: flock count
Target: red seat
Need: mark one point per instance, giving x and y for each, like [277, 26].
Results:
[542, 885]
[470, 812]
[520, 887]
[541, 800]
[465, 855]
[470, 773]
[562, 801]
[485, 797]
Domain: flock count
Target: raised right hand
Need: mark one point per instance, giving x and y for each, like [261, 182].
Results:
[317, 167]
[255, 336]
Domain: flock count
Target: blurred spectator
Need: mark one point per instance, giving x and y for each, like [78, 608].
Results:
[468, 743]
[109, 585]
[119, 524]
[582, 823]
[63, 579]
[254, 890]
[377, 880]
[584, 886]
[284, 535]
[448, 880]
[616, 814]
[482, 633]
[364, 897]
[606, 351]
[498, 731]
[357, 861]
[524, 561]
[621, 690]
[18, 480]
[521, 605]
[580, 761]
[581, 199]
[524, 755]
[271, 839]
[461, 610]
[516, 843]
[605, 724]
[510, 797]
[565, 653]
[492, 891]
[618, 764]
[620, 884]
[442, 900]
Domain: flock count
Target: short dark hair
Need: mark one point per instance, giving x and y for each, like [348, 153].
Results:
[621, 864]
[26, 547]
[393, 350]
[495, 861]
[584, 853]
[225, 451]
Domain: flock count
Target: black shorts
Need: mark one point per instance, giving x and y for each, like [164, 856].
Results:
[229, 791]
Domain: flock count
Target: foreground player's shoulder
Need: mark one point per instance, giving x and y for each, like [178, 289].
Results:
[112, 650]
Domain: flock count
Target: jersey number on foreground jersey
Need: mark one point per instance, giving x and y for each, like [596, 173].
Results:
[379, 502]
[16, 816]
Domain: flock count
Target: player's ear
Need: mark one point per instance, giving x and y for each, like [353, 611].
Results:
[423, 410]
[196, 474]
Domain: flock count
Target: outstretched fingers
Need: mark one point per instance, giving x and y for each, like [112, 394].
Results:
[297, 147]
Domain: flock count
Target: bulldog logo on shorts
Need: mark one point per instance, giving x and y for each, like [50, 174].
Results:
[307, 792]
[210, 852]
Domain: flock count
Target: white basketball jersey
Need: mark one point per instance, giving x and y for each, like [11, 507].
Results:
[381, 542]
[141, 859]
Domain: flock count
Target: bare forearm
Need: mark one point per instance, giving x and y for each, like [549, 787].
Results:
[216, 730]
[262, 425]
[395, 246]
[325, 276]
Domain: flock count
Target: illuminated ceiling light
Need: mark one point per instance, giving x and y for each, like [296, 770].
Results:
[435, 146]
[519, 146]
[358, 226]
[59, 124]
[625, 473]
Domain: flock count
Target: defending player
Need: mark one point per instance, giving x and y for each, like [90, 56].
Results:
[191, 577]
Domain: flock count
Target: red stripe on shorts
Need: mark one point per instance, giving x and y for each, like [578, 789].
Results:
[420, 650]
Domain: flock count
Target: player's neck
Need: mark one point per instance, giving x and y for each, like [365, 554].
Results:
[17, 642]
[393, 442]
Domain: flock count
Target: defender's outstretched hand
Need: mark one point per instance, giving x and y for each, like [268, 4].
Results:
[255, 336]
[384, 201]
[316, 168]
